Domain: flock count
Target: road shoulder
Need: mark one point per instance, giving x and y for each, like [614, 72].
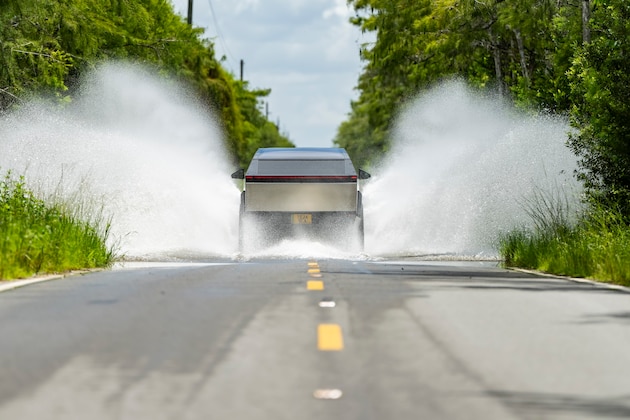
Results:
[6, 285]
[573, 279]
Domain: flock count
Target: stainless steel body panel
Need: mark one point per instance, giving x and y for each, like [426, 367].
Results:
[301, 197]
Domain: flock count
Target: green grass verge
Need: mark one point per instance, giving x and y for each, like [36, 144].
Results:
[39, 237]
[596, 246]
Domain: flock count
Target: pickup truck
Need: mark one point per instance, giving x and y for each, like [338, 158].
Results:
[311, 192]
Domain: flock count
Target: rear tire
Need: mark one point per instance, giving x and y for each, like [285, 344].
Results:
[361, 227]
[241, 225]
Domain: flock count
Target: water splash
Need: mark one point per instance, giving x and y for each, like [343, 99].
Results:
[303, 248]
[459, 169]
[146, 151]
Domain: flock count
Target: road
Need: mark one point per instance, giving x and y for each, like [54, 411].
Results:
[299, 339]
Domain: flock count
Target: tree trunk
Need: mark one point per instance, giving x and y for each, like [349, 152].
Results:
[496, 53]
[586, 17]
[521, 52]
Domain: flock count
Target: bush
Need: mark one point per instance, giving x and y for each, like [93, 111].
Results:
[597, 246]
[36, 237]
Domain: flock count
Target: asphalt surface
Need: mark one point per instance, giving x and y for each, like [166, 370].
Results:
[332, 339]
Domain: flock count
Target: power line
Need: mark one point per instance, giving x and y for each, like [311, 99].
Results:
[220, 33]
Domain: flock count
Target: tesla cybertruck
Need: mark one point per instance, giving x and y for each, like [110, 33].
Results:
[301, 192]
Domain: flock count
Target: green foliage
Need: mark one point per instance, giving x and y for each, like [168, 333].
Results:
[596, 247]
[46, 45]
[359, 138]
[600, 87]
[36, 237]
[523, 49]
[395, 67]
[539, 53]
[257, 129]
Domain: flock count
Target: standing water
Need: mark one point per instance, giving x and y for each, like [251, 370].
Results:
[460, 169]
[142, 148]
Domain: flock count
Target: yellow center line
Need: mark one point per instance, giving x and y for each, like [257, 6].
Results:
[313, 264]
[315, 285]
[314, 271]
[329, 337]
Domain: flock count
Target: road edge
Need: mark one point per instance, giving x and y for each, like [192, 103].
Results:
[7, 285]
[574, 279]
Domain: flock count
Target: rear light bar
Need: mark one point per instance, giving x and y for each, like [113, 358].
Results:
[301, 178]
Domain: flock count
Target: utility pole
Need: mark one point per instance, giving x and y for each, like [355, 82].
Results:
[242, 68]
[190, 12]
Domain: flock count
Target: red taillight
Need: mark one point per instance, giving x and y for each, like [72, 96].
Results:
[301, 178]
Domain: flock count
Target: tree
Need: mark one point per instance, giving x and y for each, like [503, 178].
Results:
[358, 137]
[523, 49]
[600, 83]
[46, 45]
[398, 63]
[258, 131]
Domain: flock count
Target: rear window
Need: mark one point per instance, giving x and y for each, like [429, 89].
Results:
[301, 167]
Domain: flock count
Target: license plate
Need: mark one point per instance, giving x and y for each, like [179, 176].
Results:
[301, 219]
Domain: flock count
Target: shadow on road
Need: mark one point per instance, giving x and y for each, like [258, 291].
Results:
[542, 404]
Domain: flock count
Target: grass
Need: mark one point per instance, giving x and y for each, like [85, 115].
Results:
[39, 237]
[595, 244]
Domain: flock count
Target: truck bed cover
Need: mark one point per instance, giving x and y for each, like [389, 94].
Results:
[300, 164]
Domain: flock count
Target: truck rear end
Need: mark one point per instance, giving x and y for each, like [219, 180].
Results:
[301, 191]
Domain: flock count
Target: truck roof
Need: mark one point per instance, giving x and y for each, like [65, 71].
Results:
[302, 153]
[301, 161]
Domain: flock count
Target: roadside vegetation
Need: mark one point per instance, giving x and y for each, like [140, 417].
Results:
[595, 243]
[40, 237]
[562, 56]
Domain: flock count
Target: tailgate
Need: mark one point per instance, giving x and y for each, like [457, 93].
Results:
[301, 197]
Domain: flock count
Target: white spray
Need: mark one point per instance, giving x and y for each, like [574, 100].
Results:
[143, 148]
[460, 168]
[147, 152]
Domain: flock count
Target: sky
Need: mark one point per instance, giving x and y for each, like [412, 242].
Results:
[305, 51]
